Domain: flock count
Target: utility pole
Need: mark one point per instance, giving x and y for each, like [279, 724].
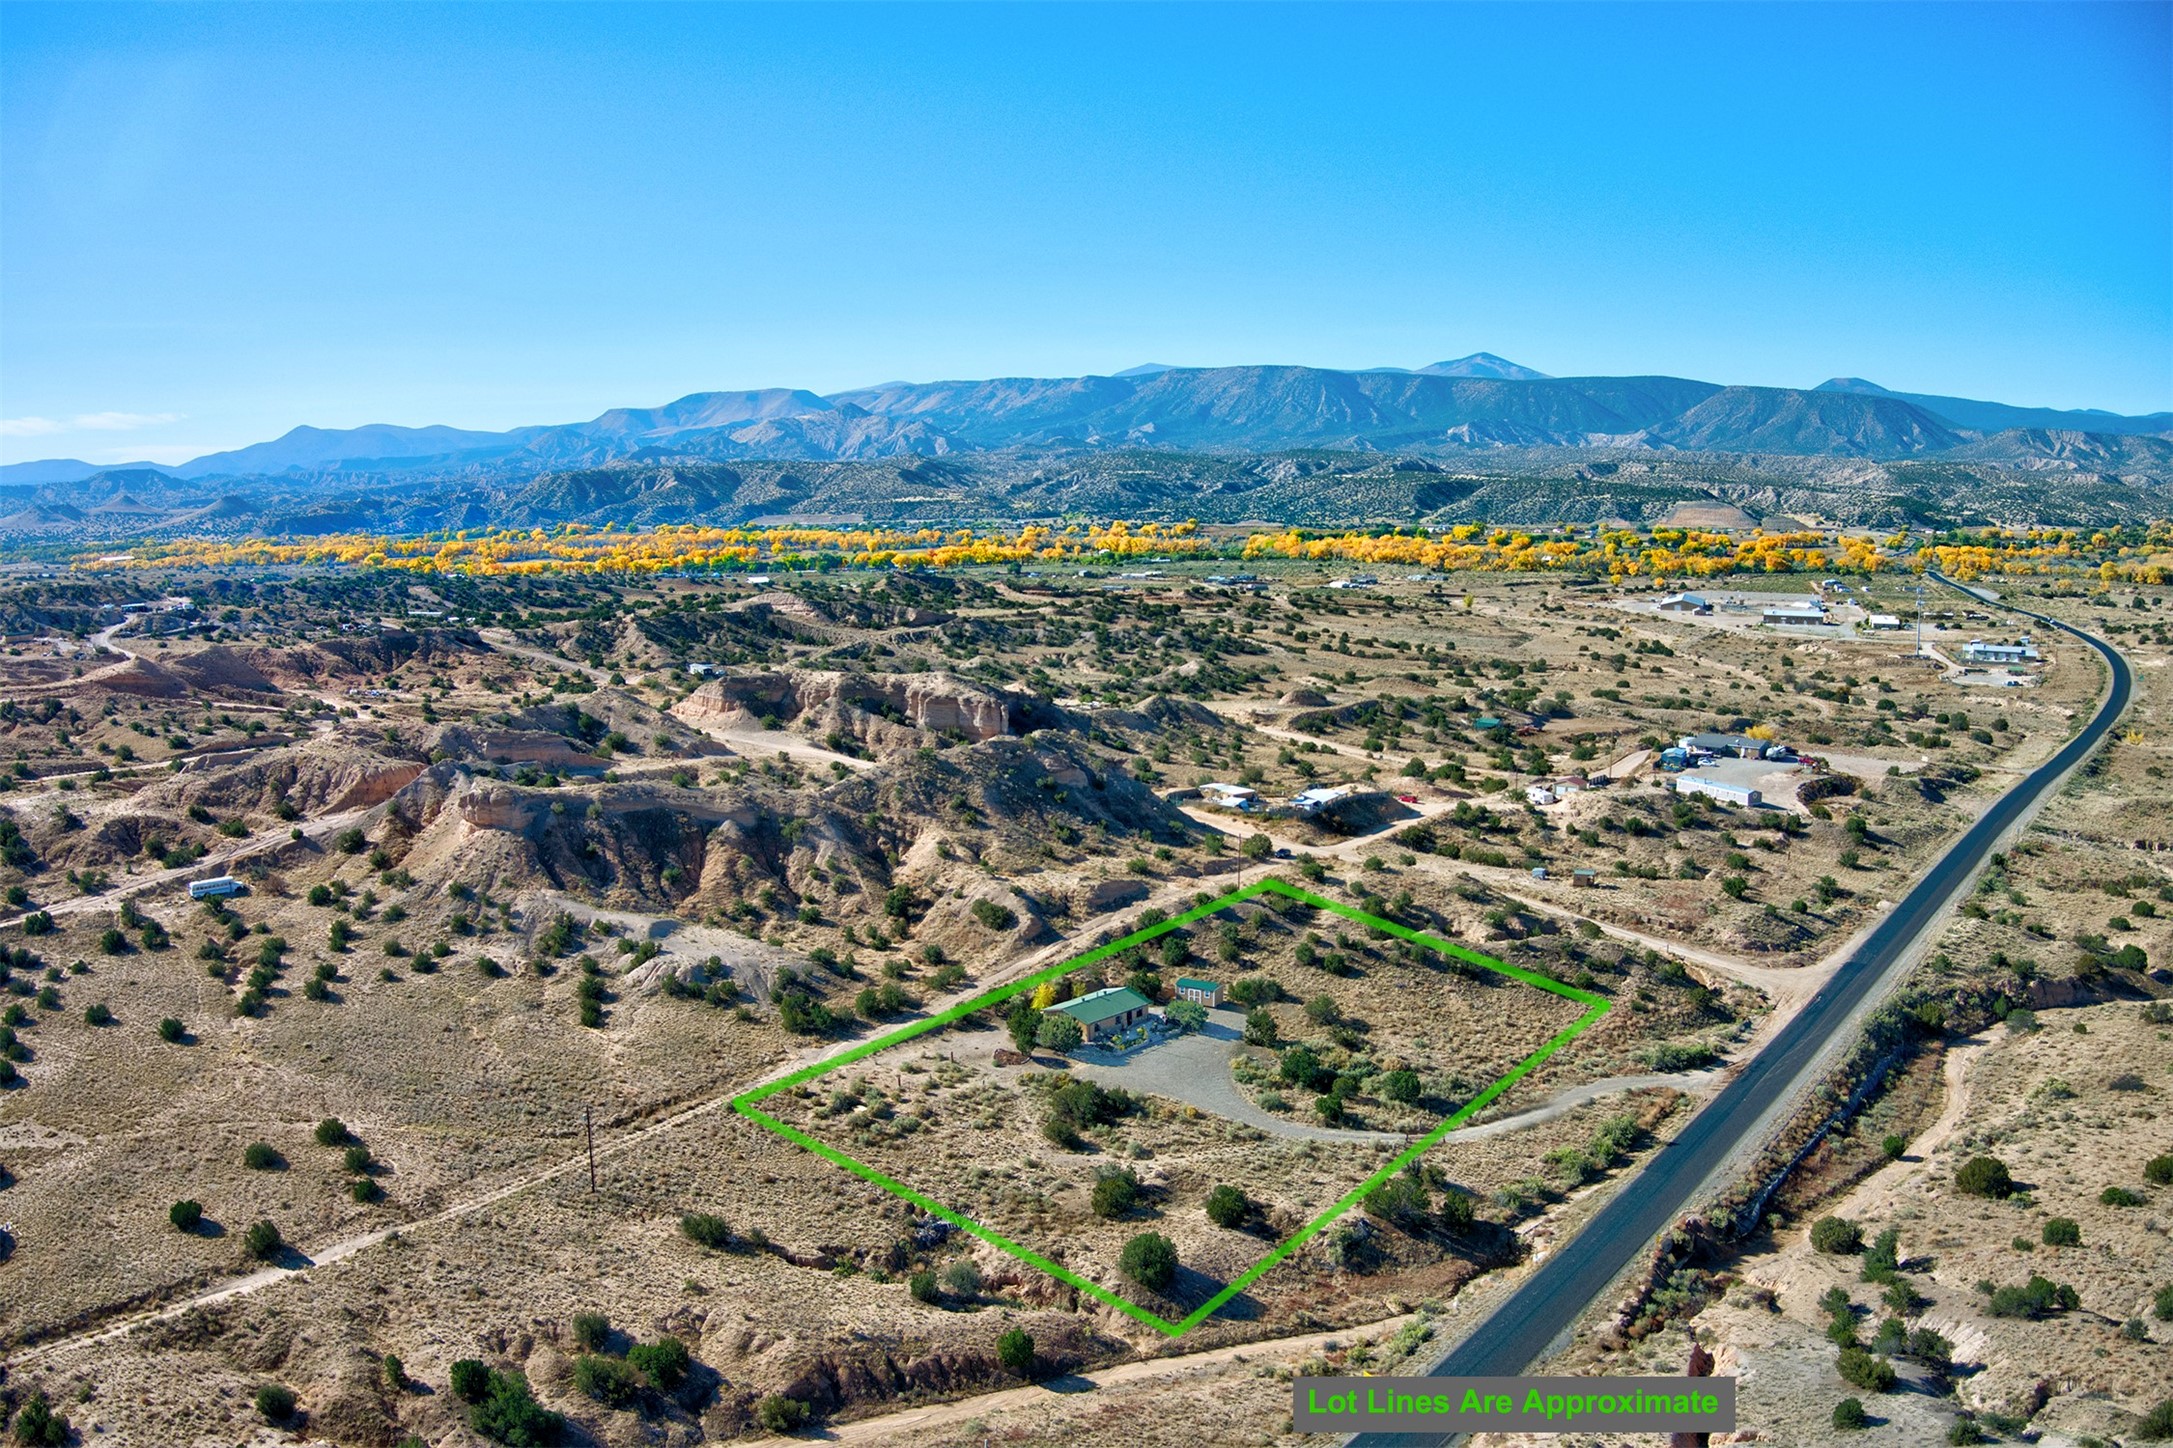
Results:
[588, 1124]
[1920, 620]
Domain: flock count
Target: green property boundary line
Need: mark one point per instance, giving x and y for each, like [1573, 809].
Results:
[746, 1102]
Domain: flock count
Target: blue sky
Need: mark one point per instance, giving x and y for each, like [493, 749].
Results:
[216, 223]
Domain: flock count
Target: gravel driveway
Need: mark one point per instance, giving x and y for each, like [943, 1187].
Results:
[1195, 1068]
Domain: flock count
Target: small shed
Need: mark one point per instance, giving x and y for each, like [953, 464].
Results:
[1208, 993]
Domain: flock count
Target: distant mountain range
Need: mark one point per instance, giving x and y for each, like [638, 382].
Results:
[1472, 404]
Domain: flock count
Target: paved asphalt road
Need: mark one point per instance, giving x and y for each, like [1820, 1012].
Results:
[1520, 1331]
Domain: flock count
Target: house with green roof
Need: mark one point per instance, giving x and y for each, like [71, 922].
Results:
[1105, 1012]
[1208, 993]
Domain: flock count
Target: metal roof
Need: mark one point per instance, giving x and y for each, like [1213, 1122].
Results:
[1101, 1005]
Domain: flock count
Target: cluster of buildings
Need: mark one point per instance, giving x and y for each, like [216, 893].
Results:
[1800, 612]
[1305, 804]
[1118, 1008]
[1699, 748]
[1544, 792]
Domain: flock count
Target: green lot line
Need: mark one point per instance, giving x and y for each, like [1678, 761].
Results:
[746, 1102]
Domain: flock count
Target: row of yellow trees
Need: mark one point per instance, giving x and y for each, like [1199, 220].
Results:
[1619, 553]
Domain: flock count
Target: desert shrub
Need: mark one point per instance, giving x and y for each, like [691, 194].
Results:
[395, 1372]
[357, 1158]
[665, 1362]
[1020, 1021]
[993, 915]
[1015, 1350]
[1400, 1199]
[706, 1230]
[606, 1379]
[2156, 1426]
[2039, 1297]
[2062, 1232]
[962, 1278]
[276, 1402]
[2126, 1081]
[1931, 1349]
[1849, 1415]
[1836, 1235]
[98, 1015]
[1116, 1193]
[1882, 1259]
[1301, 1066]
[37, 1424]
[923, 1286]
[1260, 1027]
[1459, 1212]
[1985, 1176]
[1227, 1206]
[470, 1380]
[1861, 1369]
[1187, 1015]
[800, 1013]
[262, 1241]
[348, 841]
[1057, 1032]
[1150, 1259]
[1965, 1430]
[1670, 1056]
[1402, 1086]
[2158, 1171]
[260, 1156]
[591, 1330]
[508, 1413]
[1254, 990]
[171, 1030]
[185, 1215]
[780, 1414]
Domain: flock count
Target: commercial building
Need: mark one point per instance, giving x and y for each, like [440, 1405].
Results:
[1801, 615]
[1883, 620]
[1720, 789]
[1977, 651]
[1105, 1012]
[1685, 603]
